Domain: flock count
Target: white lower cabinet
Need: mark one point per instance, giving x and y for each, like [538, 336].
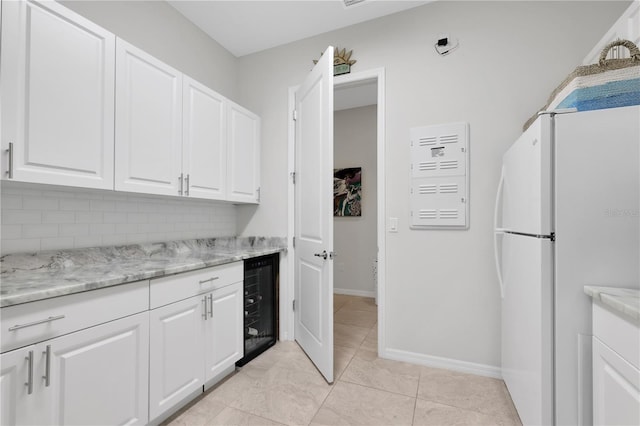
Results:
[95, 376]
[616, 396]
[104, 357]
[176, 356]
[195, 340]
[224, 343]
[23, 401]
[616, 368]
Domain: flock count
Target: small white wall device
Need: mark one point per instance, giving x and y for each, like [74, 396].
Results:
[445, 44]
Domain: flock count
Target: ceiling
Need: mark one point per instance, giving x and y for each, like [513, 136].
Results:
[354, 95]
[248, 26]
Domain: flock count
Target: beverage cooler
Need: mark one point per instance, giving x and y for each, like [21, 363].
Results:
[260, 305]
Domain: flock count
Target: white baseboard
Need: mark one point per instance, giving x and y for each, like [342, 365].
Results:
[349, 292]
[446, 363]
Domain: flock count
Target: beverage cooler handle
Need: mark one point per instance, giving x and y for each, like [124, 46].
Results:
[498, 231]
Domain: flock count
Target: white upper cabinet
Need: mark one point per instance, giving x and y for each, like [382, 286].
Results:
[148, 123]
[204, 144]
[243, 145]
[57, 88]
[83, 108]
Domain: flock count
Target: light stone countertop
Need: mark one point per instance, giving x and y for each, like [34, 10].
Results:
[27, 277]
[624, 301]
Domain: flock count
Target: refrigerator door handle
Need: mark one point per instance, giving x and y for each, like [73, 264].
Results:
[497, 231]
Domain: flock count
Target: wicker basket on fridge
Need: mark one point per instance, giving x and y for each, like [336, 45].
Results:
[610, 83]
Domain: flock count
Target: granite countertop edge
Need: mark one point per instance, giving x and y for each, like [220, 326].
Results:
[624, 301]
[31, 277]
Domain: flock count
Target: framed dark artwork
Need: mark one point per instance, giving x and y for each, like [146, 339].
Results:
[347, 192]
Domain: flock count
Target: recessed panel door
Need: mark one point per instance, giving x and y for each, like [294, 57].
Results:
[57, 96]
[176, 362]
[99, 375]
[314, 215]
[204, 144]
[148, 123]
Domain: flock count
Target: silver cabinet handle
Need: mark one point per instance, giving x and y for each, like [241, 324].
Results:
[180, 179]
[204, 307]
[29, 383]
[47, 366]
[211, 305]
[19, 326]
[10, 152]
[187, 185]
[208, 280]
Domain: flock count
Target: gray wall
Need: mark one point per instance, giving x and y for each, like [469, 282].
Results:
[442, 298]
[162, 31]
[355, 238]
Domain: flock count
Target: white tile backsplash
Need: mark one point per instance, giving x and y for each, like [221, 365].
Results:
[39, 217]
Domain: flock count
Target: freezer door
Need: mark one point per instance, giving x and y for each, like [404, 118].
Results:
[527, 339]
[597, 236]
[526, 196]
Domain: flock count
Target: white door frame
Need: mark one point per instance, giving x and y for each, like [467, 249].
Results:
[287, 291]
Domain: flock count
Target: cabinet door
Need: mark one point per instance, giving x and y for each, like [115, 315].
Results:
[224, 343]
[19, 404]
[616, 388]
[57, 96]
[177, 353]
[204, 161]
[148, 123]
[100, 375]
[243, 153]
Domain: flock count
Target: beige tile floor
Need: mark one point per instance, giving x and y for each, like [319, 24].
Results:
[282, 386]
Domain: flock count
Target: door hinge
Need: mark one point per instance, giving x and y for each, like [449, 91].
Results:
[295, 115]
[294, 305]
[293, 177]
[294, 242]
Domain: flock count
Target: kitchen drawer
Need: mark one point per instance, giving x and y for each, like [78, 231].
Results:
[49, 318]
[167, 290]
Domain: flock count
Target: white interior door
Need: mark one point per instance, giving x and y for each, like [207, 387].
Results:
[314, 215]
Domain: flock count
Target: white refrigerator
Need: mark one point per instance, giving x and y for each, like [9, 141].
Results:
[567, 215]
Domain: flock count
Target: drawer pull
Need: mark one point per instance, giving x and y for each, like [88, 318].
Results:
[47, 367]
[208, 280]
[29, 383]
[19, 326]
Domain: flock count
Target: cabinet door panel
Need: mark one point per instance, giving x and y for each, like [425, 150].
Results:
[17, 406]
[176, 357]
[148, 123]
[57, 95]
[224, 343]
[100, 375]
[616, 388]
[243, 147]
[204, 141]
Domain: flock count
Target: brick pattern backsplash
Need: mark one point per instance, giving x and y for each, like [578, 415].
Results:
[39, 217]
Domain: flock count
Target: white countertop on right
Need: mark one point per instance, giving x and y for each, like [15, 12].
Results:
[625, 301]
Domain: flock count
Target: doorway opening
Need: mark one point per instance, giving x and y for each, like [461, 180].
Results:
[359, 141]
[355, 233]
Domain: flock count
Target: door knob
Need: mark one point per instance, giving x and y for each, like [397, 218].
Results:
[323, 255]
